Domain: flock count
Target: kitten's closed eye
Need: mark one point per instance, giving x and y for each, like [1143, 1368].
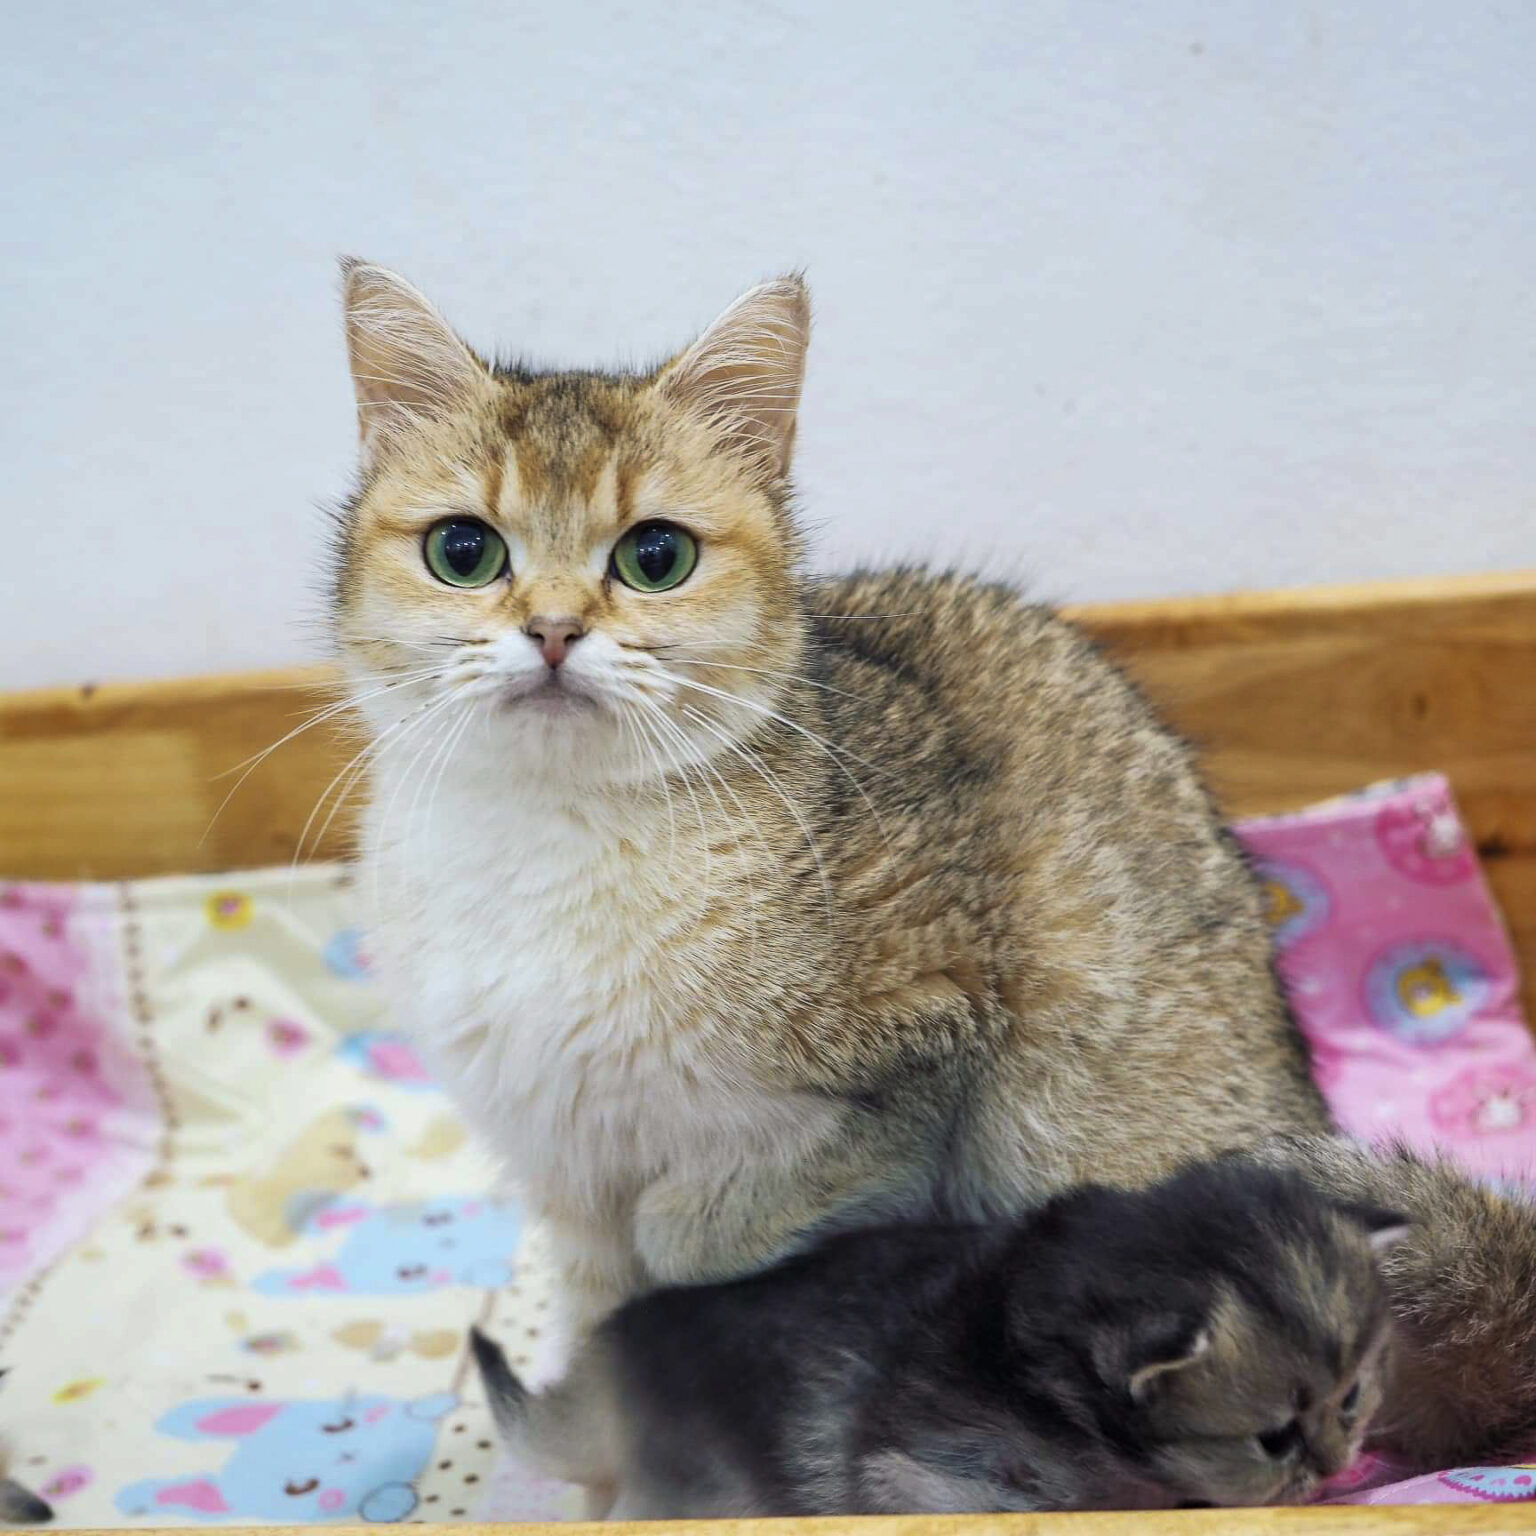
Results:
[1279, 1443]
[1350, 1401]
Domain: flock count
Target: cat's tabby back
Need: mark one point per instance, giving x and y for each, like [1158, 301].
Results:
[734, 905]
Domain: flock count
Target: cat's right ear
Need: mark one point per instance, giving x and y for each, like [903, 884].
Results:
[408, 365]
[744, 373]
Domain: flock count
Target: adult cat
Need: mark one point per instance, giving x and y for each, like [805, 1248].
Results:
[734, 904]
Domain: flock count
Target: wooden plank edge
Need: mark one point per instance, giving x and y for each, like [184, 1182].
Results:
[1339, 598]
[1323, 1520]
[202, 688]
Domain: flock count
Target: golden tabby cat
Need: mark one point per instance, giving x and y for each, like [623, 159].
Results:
[736, 905]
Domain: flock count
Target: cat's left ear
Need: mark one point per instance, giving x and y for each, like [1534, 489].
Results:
[744, 373]
[408, 364]
[1384, 1229]
[1150, 1350]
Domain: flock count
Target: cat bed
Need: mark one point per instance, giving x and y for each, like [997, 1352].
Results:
[242, 1234]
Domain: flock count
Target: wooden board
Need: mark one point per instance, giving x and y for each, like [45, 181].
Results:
[1296, 696]
[1354, 1520]
[129, 779]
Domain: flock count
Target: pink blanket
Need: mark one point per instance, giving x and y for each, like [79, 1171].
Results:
[235, 1218]
[1402, 976]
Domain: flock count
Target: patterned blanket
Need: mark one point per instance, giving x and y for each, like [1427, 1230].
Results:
[242, 1235]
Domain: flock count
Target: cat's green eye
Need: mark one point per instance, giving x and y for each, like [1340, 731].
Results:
[464, 552]
[655, 557]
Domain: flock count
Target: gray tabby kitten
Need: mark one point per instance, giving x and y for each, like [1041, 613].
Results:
[1218, 1338]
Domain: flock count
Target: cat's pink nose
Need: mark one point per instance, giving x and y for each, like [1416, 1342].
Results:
[554, 637]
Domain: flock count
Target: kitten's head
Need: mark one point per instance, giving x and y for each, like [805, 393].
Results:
[592, 573]
[1237, 1326]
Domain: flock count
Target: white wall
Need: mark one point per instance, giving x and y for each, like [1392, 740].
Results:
[1141, 298]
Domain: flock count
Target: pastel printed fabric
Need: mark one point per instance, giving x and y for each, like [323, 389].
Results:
[242, 1233]
[1401, 974]
[78, 1120]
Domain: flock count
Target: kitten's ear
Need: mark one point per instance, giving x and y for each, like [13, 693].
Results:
[1384, 1229]
[407, 364]
[1170, 1358]
[745, 371]
[1150, 1350]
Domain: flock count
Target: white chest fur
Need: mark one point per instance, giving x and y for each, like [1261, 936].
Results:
[547, 959]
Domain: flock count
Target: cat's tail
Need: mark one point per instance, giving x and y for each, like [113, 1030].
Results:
[1463, 1281]
[569, 1431]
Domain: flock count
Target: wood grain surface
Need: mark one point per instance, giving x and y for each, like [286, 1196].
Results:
[1351, 1520]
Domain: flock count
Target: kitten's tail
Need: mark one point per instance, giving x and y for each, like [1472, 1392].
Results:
[570, 1430]
[1463, 1378]
[506, 1394]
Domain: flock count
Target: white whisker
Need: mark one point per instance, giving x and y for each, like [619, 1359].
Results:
[455, 735]
[381, 830]
[319, 717]
[736, 666]
[632, 721]
[772, 780]
[711, 772]
[831, 749]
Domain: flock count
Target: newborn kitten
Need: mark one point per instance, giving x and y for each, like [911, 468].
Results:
[1218, 1338]
[18, 1505]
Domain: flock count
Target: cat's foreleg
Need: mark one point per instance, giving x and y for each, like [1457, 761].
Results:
[741, 1212]
[597, 1270]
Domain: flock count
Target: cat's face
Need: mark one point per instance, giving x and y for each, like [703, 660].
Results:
[1276, 1398]
[586, 575]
